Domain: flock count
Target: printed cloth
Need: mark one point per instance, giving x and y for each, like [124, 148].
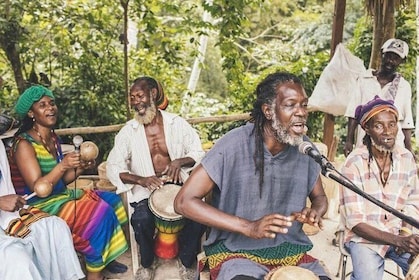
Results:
[283, 255]
[20, 227]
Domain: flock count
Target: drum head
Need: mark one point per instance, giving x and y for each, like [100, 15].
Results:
[290, 273]
[161, 202]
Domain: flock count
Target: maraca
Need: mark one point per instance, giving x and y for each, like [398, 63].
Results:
[42, 188]
[88, 151]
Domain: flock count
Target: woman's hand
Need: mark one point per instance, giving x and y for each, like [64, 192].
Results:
[88, 164]
[71, 160]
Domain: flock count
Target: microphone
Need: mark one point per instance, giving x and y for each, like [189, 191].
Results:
[309, 149]
[77, 141]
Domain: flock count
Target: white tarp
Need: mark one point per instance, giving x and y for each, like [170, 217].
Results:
[333, 89]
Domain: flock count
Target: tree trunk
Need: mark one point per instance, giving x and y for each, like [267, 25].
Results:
[13, 56]
[384, 28]
[8, 41]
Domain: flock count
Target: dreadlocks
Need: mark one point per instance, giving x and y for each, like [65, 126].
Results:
[266, 93]
[368, 142]
[161, 99]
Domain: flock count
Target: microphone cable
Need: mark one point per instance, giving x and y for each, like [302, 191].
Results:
[77, 141]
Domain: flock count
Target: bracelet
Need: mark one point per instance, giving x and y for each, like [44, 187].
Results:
[405, 231]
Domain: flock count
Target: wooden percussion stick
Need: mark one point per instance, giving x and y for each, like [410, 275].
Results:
[27, 197]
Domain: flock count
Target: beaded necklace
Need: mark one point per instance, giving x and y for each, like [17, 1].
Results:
[44, 143]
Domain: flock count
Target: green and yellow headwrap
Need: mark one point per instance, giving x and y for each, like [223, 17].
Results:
[365, 112]
[30, 96]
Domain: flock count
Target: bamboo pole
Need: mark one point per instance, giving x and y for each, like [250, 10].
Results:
[117, 127]
[124, 4]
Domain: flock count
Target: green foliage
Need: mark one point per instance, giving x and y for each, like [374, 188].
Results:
[77, 45]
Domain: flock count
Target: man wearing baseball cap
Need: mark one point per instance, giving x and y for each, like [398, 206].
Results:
[388, 84]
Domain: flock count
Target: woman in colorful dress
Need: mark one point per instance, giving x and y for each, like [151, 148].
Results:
[94, 217]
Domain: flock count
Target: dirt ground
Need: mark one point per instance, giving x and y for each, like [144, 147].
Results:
[323, 249]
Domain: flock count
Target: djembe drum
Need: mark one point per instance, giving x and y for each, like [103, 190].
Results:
[168, 222]
[413, 273]
[290, 273]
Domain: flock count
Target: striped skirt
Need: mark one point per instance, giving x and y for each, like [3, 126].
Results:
[95, 219]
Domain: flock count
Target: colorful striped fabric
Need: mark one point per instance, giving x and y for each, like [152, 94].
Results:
[19, 227]
[285, 254]
[94, 217]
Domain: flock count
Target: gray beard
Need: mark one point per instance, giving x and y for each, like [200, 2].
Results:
[281, 134]
[148, 117]
[381, 149]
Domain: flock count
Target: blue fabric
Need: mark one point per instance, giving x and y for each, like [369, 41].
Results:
[368, 265]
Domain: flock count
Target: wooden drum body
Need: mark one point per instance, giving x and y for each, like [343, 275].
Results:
[290, 273]
[168, 222]
[413, 273]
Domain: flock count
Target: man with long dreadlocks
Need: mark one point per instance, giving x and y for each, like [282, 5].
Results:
[153, 148]
[387, 172]
[259, 182]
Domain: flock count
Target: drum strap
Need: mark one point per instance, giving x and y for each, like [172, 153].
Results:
[19, 227]
[283, 255]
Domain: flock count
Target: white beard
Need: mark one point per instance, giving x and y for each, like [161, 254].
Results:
[148, 117]
[281, 133]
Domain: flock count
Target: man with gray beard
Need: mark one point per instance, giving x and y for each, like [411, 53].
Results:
[260, 183]
[387, 172]
[154, 148]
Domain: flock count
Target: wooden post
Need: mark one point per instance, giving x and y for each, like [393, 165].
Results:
[337, 35]
[124, 4]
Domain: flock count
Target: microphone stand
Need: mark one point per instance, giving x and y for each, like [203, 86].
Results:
[350, 185]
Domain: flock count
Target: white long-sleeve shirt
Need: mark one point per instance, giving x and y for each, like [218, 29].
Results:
[131, 152]
[6, 187]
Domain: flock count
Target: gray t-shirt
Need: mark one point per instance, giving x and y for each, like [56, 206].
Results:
[289, 178]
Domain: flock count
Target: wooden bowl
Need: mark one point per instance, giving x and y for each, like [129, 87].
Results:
[105, 185]
[101, 170]
[85, 184]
